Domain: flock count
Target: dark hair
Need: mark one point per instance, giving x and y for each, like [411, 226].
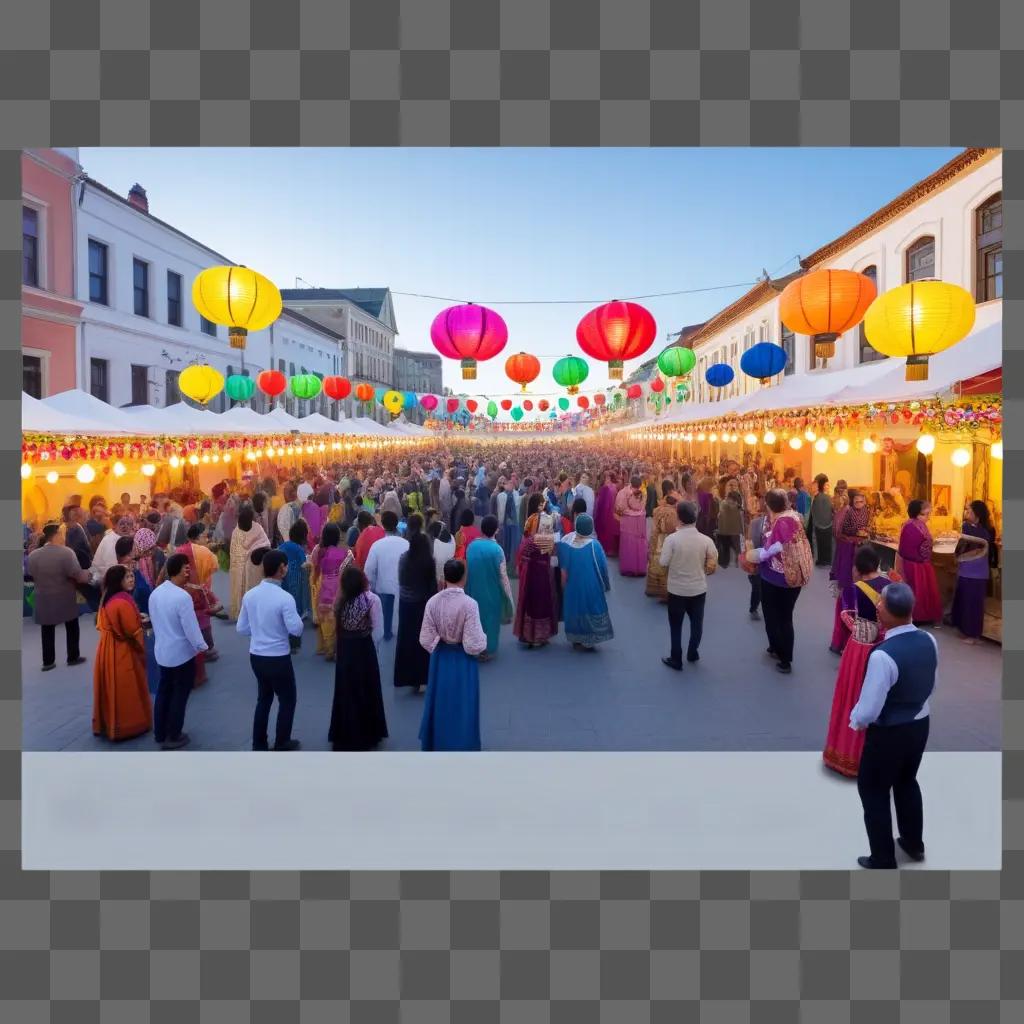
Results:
[866, 559]
[488, 527]
[914, 508]
[635, 481]
[330, 536]
[798, 482]
[364, 519]
[259, 502]
[113, 581]
[980, 509]
[389, 521]
[123, 546]
[534, 503]
[413, 526]
[454, 569]
[195, 531]
[175, 564]
[821, 479]
[353, 583]
[245, 517]
[667, 487]
[153, 518]
[440, 532]
[299, 532]
[579, 505]
[272, 562]
[50, 530]
[256, 556]
[687, 512]
[466, 517]
[776, 500]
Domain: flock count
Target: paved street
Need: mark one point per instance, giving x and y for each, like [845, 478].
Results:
[620, 698]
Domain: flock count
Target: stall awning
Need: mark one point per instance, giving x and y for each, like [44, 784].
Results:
[91, 415]
[38, 417]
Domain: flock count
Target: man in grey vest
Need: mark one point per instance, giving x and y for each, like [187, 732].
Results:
[893, 708]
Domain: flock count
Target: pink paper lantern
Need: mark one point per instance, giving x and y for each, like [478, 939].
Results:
[469, 333]
[429, 402]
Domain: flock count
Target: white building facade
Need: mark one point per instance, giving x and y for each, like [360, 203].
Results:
[139, 327]
[419, 372]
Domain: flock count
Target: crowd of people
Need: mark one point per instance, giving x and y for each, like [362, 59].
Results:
[440, 549]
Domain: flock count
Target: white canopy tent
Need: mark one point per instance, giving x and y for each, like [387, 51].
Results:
[94, 416]
[38, 416]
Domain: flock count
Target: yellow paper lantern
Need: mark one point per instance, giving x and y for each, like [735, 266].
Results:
[917, 320]
[960, 457]
[842, 446]
[996, 451]
[201, 383]
[796, 443]
[926, 444]
[86, 474]
[237, 297]
[393, 402]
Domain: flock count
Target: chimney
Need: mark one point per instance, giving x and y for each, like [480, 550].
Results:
[137, 197]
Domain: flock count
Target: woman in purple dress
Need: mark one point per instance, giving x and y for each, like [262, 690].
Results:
[976, 555]
[851, 530]
[604, 515]
[914, 563]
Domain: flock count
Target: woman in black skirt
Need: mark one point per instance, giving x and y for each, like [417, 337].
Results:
[417, 581]
[357, 714]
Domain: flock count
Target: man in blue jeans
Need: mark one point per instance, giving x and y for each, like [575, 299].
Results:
[690, 557]
[269, 618]
[382, 567]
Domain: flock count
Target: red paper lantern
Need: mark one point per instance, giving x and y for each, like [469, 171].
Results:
[364, 392]
[543, 405]
[528, 405]
[657, 385]
[506, 404]
[272, 382]
[471, 404]
[583, 402]
[452, 405]
[598, 399]
[634, 391]
[337, 387]
[615, 332]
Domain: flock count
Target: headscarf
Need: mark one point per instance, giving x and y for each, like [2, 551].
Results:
[584, 525]
[855, 519]
[126, 526]
[142, 552]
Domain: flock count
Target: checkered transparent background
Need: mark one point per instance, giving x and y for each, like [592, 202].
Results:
[370, 948]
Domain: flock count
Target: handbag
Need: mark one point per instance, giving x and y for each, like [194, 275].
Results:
[797, 559]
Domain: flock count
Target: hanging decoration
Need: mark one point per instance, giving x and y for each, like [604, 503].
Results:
[918, 320]
[469, 333]
[393, 402]
[379, 393]
[719, 375]
[527, 405]
[337, 388]
[634, 391]
[237, 297]
[657, 385]
[583, 402]
[305, 385]
[522, 369]
[676, 361]
[452, 405]
[492, 410]
[364, 392]
[599, 398]
[429, 402]
[543, 405]
[563, 404]
[506, 404]
[763, 361]
[570, 372]
[239, 388]
[271, 382]
[517, 414]
[826, 304]
[409, 399]
[615, 332]
[471, 405]
[201, 383]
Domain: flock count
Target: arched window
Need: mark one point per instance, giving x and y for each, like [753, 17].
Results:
[988, 242]
[867, 353]
[920, 259]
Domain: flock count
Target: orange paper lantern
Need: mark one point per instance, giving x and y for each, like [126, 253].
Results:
[522, 368]
[364, 392]
[825, 304]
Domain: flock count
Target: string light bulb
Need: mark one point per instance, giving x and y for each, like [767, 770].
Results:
[769, 437]
[193, 460]
[926, 444]
[869, 446]
[148, 469]
[26, 471]
[810, 435]
[960, 457]
[796, 443]
[86, 474]
[119, 469]
[174, 461]
[750, 439]
[52, 477]
[842, 446]
[996, 451]
[821, 445]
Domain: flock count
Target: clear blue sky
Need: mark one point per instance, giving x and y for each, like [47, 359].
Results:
[497, 224]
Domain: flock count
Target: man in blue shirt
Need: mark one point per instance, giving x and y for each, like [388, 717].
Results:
[893, 708]
[269, 618]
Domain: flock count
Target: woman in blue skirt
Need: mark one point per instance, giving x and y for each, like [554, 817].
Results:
[453, 635]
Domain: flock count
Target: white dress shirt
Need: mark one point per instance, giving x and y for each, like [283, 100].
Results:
[586, 492]
[268, 617]
[105, 555]
[175, 626]
[879, 679]
[442, 553]
[382, 563]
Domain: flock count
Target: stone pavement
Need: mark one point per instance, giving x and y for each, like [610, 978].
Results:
[619, 698]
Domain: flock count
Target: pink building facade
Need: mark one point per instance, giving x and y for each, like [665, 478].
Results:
[50, 315]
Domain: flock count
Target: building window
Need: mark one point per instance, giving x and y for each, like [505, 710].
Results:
[867, 353]
[920, 260]
[32, 376]
[98, 273]
[788, 341]
[173, 298]
[172, 394]
[207, 326]
[30, 246]
[99, 379]
[140, 385]
[140, 284]
[988, 240]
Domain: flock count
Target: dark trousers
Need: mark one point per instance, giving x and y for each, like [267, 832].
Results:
[726, 544]
[387, 607]
[171, 699]
[72, 634]
[678, 609]
[891, 758]
[755, 591]
[823, 539]
[777, 606]
[275, 677]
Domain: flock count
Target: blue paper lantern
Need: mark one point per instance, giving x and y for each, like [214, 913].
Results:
[719, 375]
[410, 400]
[764, 360]
[379, 394]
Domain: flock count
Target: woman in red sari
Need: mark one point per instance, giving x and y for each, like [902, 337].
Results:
[121, 706]
[467, 533]
[843, 746]
[605, 523]
[914, 563]
[536, 618]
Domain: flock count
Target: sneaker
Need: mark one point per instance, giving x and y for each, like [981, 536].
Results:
[784, 668]
[290, 745]
[693, 657]
[181, 741]
[77, 661]
[672, 665]
[49, 668]
[914, 855]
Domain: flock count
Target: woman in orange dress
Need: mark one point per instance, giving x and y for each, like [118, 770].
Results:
[121, 705]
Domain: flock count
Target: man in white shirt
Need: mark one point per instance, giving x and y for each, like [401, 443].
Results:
[269, 618]
[690, 558]
[586, 492]
[304, 491]
[177, 642]
[382, 566]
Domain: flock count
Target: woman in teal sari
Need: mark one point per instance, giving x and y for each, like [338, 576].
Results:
[487, 583]
[584, 583]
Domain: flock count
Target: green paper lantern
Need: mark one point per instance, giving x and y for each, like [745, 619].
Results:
[305, 385]
[492, 409]
[239, 388]
[570, 373]
[517, 414]
[563, 404]
[677, 362]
